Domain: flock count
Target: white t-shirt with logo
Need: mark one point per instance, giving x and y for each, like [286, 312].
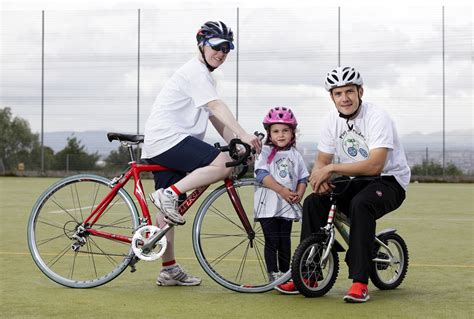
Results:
[372, 128]
[180, 109]
[287, 168]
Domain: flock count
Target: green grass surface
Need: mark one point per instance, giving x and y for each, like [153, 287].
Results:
[436, 221]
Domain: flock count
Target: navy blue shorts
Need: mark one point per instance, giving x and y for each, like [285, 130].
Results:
[186, 156]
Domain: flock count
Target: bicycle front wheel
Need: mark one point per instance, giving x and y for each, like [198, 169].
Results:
[231, 256]
[311, 277]
[63, 248]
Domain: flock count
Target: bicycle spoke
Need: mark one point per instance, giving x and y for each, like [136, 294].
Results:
[223, 216]
[71, 274]
[91, 257]
[221, 257]
[54, 200]
[213, 236]
[260, 260]
[106, 255]
[240, 270]
[57, 257]
[45, 241]
[51, 223]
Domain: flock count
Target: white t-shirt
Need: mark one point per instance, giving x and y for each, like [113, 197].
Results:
[180, 109]
[372, 128]
[287, 168]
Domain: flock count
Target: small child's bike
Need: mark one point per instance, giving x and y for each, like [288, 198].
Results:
[315, 263]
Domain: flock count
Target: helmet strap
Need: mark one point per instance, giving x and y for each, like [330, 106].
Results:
[209, 67]
[350, 116]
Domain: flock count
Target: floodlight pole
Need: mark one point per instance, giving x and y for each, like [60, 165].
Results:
[42, 92]
[444, 101]
[338, 36]
[138, 85]
[237, 71]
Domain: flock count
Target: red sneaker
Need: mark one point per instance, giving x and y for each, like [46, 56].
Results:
[288, 288]
[357, 293]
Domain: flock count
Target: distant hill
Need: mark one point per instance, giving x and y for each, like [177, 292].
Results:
[454, 140]
[96, 141]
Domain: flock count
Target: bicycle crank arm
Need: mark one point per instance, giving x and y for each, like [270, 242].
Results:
[151, 242]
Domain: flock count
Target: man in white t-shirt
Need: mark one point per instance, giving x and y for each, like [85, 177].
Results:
[174, 135]
[365, 140]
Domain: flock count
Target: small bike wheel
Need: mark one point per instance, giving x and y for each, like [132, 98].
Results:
[311, 278]
[63, 248]
[232, 257]
[390, 267]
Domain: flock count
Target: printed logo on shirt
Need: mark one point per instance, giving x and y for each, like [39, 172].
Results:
[284, 168]
[354, 146]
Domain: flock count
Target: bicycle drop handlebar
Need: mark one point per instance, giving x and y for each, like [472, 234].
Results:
[234, 152]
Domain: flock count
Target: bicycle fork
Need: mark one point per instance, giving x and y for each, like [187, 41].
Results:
[235, 200]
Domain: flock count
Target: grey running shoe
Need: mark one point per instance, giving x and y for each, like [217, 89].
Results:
[168, 205]
[176, 276]
[272, 276]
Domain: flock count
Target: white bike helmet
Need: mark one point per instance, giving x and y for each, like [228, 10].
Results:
[342, 76]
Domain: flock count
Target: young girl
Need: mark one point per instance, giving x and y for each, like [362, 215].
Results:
[280, 168]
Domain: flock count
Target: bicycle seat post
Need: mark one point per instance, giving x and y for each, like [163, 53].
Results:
[130, 151]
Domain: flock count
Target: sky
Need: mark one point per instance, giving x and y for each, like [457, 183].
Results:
[285, 49]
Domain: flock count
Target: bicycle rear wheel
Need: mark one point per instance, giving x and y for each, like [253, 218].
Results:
[391, 269]
[225, 250]
[75, 258]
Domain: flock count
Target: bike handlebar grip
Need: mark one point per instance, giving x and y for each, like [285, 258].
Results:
[232, 150]
[260, 135]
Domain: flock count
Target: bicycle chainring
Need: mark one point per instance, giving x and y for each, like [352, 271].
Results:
[141, 237]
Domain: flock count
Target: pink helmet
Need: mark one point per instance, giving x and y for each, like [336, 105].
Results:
[280, 115]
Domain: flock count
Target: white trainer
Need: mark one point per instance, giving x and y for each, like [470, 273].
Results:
[176, 276]
[168, 205]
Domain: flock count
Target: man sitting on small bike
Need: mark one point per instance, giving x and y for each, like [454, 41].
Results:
[365, 140]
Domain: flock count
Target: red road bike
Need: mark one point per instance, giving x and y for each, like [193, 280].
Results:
[85, 230]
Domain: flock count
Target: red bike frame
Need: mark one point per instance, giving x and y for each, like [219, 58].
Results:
[134, 171]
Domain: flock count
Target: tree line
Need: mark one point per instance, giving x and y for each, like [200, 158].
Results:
[19, 145]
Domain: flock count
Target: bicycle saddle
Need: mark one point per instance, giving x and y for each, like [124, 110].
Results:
[135, 139]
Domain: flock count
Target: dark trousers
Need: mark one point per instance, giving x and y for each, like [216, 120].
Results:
[363, 202]
[277, 233]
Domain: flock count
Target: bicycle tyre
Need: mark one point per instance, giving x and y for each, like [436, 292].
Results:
[386, 276]
[223, 248]
[311, 279]
[54, 219]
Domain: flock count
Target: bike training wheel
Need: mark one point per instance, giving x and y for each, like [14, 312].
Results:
[310, 277]
[224, 249]
[390, 274]
[54, 220]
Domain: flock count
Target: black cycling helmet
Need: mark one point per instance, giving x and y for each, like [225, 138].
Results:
[214, 29]
[222, 38]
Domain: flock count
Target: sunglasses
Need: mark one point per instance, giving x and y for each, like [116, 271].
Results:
[225, 47]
